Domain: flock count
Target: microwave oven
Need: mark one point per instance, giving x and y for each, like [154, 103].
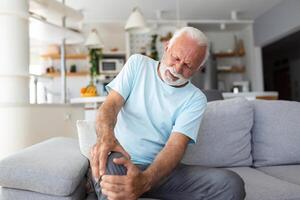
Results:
[110, 66]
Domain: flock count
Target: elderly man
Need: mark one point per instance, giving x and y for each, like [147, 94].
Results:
[151, 114]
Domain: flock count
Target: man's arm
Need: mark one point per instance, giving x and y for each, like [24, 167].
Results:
[106, 140]
[107, 114]
[167, 159]
[136, 182]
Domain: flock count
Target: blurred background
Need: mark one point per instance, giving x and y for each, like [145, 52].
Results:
[57, 56]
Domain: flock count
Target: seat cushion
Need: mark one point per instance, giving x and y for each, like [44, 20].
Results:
[276, 133]
[93, 196]
[261, 186]
[289, 173]
[16, 194]
[54, 167]
[224, 138]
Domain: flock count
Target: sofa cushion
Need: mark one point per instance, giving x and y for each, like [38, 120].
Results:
[288, 173]
[260, 186]
[276, 133]
[15, 194]
[87, 136]
[93, 196]
[54, 167]
[224, 138]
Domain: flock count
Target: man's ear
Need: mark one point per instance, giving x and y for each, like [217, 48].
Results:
[200, 68]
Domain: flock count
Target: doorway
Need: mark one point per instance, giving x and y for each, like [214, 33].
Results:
[281, 67]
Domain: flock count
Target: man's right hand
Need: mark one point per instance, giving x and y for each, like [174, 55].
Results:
[99, 153]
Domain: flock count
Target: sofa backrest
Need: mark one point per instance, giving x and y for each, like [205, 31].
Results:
[276, 133]
[224, 138]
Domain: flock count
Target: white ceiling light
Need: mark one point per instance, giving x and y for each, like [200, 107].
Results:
[136, 22]
[233, 15]
[93, 40]
[222, 26]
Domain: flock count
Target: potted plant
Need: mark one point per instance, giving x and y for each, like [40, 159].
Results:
[95, 46]
[95, 56]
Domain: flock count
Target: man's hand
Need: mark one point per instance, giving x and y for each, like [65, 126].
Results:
[129, 187]
[99, 153]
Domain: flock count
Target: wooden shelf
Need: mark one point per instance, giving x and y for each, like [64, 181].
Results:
[228, 54]
[234, 69]
[53, 8]
[69, 74]
[113, 52]
[70, 56]
[49, 33]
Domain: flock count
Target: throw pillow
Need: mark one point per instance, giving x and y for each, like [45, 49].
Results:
[87, 136]
[224, 138]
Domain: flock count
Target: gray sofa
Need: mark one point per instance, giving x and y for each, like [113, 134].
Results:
[259, 140]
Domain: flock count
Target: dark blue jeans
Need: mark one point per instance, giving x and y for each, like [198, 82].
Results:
[188, 182]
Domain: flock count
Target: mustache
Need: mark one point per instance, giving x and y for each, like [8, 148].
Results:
[174, 73]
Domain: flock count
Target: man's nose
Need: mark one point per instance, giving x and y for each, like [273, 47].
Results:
[178, 68]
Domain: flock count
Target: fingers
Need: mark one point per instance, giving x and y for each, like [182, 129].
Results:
[114, 179]
[120, 149]
[111, 195]
[131, 168]
[94, 162]
[112, 187]
[102, 161]
[123, 161]
[99, 155]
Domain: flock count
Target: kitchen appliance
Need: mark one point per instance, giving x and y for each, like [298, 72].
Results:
[240, 86]
[110, 66]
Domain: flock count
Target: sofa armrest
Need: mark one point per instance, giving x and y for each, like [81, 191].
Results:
[54, 167]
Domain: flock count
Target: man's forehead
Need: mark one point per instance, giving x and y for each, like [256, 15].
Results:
[190, 53]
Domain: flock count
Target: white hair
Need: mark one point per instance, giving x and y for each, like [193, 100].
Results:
[194, 34]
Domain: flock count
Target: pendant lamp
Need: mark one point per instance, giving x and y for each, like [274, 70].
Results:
[136, 22]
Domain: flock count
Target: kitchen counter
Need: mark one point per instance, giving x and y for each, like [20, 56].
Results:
[44, 105]
[87, 100]
[252, 95]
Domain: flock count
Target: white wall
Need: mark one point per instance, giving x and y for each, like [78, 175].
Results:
[253, 60]
[111, 33]
[278, 22]
[24, 125]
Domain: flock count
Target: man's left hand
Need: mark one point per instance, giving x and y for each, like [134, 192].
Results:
[129, 187]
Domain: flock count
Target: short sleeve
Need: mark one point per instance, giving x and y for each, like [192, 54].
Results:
[189, 120]
[124, 81]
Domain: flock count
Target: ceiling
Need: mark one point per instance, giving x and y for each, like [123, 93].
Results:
[119, 10]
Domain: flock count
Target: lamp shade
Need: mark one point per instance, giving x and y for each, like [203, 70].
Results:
[136, 22]
[93, 40]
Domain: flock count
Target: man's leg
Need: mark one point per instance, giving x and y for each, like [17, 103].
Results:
[190, 182]
[112, 169]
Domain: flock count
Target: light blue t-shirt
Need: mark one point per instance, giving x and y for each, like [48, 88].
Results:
[153, 110]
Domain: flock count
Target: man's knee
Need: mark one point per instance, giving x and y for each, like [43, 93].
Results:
[112, 168]
[236, 185]
[231, 181]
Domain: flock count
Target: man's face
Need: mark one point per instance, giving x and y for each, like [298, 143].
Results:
[185, 56]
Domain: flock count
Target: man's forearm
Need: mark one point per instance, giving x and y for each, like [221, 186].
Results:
[106, 119]
[164, 163]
